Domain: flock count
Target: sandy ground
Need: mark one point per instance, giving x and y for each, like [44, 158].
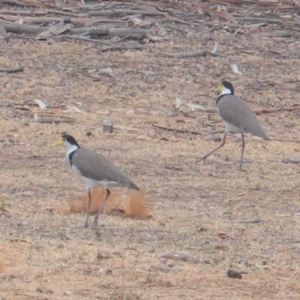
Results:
[184, 250]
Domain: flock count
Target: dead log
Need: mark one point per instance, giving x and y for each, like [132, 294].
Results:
[22, 28]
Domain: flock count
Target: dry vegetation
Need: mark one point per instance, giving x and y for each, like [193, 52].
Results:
[198, 211]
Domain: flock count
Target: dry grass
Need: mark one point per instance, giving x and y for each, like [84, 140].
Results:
[193, 206]
[131, 204]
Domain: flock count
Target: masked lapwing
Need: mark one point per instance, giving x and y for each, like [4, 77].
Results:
[237, 116]
[94, 170]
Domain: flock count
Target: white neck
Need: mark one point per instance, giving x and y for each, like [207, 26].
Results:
[70, 148]
[225, 91]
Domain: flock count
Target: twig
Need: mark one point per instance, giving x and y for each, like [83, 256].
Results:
[247, 221]
[236, 248]
[65, 12]
[201, 95]
[268, 111]
[77, 37]
[106, 13]
[284, 140]
[123, 278]
[14, 70]
[176, 130]
[183, 54]
[181, 21]
[291, 161]
[265, 19]
[122, 47]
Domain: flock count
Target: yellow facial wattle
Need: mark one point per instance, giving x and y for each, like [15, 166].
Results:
[219, 88]
[59, 142]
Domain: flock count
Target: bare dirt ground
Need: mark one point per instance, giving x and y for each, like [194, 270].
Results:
[194, 207]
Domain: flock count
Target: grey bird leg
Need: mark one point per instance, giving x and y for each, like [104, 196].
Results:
[95, 223]
[88, 209]
[214, 150]
[242, 153]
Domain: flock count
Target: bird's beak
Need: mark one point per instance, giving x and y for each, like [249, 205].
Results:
[219, 88]
[59, 142]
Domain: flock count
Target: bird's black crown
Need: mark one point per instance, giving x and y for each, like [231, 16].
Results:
[228, 85]
[69, 139]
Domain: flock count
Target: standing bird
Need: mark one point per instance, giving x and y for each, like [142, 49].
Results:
[237, 116]
[94, 169]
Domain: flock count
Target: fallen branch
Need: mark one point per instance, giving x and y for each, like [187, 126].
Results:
[14, 2]
[25, 3]
[52, 118]
[22, 28]
[133, 33]
[142, 20]
[95, 33]
[78, 37]
[16, 12]
[31, 20]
